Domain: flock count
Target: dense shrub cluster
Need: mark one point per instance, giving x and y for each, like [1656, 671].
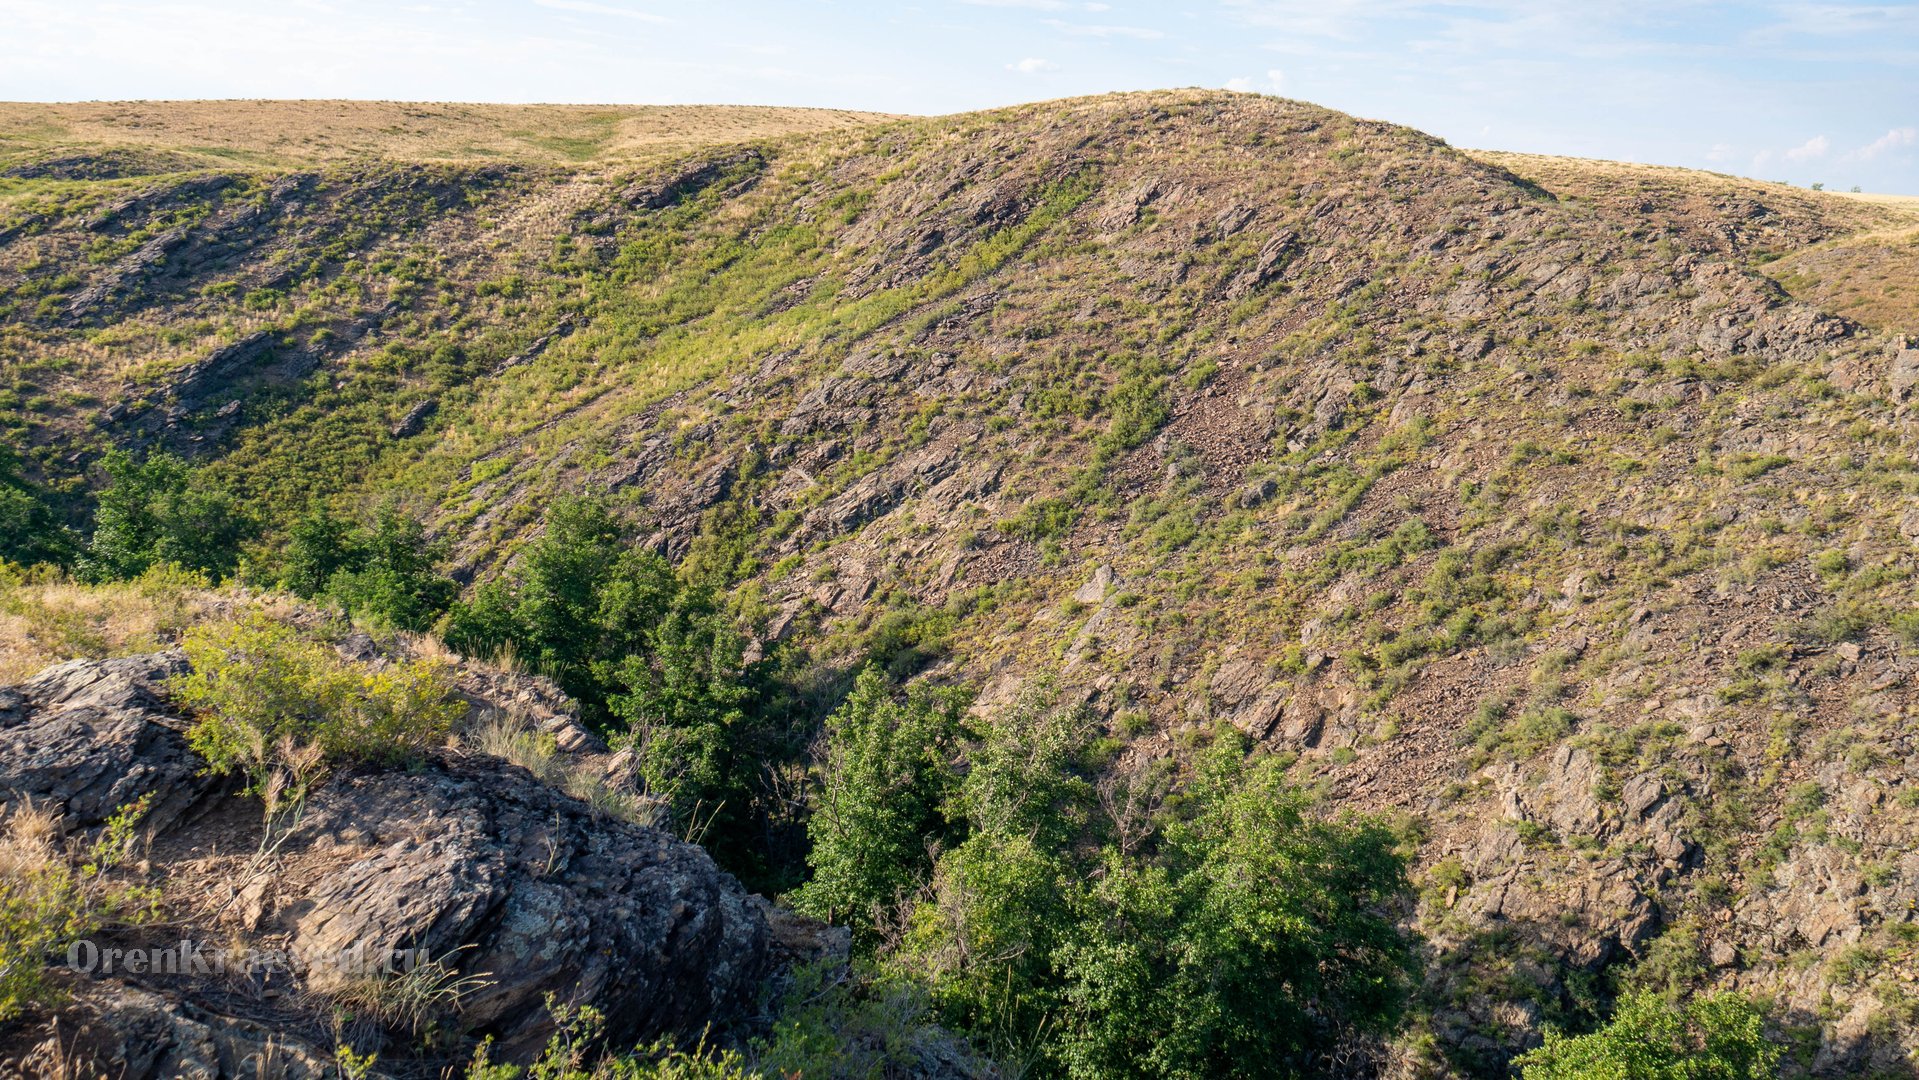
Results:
[1230, 931]
[656, 662]
[385, 573]
[161, 511]
[30, 530]
[1710, 1037]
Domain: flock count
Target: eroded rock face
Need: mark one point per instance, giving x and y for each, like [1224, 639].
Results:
[84, 738]
[518, 890]
[478, 863]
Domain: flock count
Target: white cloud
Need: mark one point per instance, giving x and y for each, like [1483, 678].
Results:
[1719, 152]
[1896, 139]
[1814, 147]
[1032, 65]
[1275, 83]
[1138, 33]
[588, 7]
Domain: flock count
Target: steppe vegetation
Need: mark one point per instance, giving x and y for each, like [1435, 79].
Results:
[1196, 585]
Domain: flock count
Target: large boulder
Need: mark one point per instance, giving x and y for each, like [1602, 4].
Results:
[514, 889]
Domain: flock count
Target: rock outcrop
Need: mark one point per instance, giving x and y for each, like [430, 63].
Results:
[514, 890]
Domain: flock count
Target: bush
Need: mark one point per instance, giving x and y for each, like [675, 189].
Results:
[277, 706]
[653, 661]
[578, 601]
[46, 903]
[161, 511]
[884, 773]
[682, 707]
[1261, 938]
[1245, 938]
[386, 573]
[30, 532]
[1714, 1037]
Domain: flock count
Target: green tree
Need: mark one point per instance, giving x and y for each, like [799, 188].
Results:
[1711, 1037]
[161, 511]
[1245, 937]
[1002, 900]
[885, 771]
[576, 603]
[30, 531]
[1026, 776]
[682, 701]
[1262, 936]
[318, 546]
[392, 574]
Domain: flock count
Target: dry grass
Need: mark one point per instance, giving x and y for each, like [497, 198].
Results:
[46, 619]
[1871, 278]
[512, 739]
[1904, 204]
[1588, 178]
[305, 133]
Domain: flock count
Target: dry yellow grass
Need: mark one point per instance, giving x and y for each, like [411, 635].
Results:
[1849, 253]
[46, 619]
[302, 133]
[1871, 278]
[1907, 205]
[1593, 178]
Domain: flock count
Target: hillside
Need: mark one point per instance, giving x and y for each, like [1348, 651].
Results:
[113, 139]
[1560, 512]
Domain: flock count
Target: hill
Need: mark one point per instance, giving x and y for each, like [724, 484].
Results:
[104, 140]
[1558, 511]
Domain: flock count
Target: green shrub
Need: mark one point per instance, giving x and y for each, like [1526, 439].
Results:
[1258, 940]
[162, 511]
[1715, 1037]
[682, 705]
[30, 531]
[46, 903]
[385, 573]
[1245, 938]
[277, 706]
[884, 774]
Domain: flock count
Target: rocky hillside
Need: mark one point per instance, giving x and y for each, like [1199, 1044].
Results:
[1561, 511]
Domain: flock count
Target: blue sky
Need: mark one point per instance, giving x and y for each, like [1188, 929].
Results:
[1798, 91]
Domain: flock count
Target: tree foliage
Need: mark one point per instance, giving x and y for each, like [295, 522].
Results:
[885, 774]
[1247, 937]
[162, 511]
[386, 572]
[30, 531]
[1709, 1037]
[654, 661]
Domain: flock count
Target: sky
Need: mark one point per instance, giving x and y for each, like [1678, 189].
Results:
[1797, 91]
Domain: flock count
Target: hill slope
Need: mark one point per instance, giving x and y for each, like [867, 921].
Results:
[1512, 496]
[103, 140]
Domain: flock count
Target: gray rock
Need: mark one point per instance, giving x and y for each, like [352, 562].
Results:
[464, 860]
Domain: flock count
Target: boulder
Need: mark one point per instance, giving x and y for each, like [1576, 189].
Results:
[463, 860]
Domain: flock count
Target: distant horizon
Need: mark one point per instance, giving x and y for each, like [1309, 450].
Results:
[1470, 147]
[1796, 91]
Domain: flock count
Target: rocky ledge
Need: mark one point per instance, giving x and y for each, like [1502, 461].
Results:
[513, 890]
